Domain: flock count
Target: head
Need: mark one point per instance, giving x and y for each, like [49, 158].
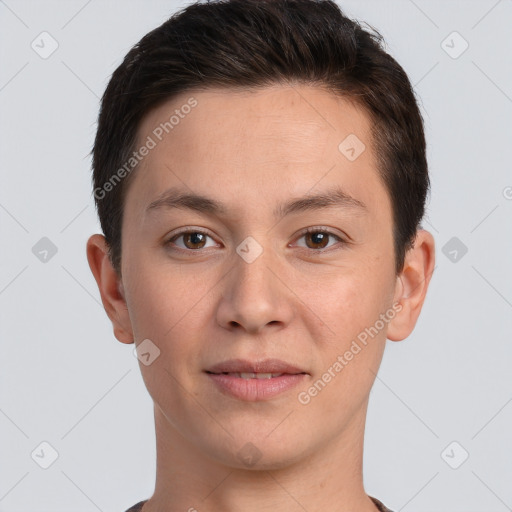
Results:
[245, 122]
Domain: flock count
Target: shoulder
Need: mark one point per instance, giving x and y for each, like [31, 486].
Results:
[380, 505]
[382, 508]
[137, 507]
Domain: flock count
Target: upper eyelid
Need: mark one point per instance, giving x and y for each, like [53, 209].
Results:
[321, 230]
[175, 236]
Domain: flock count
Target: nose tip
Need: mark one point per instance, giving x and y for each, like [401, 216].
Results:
[253, 324]
[253, 299]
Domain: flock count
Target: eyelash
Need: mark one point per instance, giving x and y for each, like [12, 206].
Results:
[176, 236]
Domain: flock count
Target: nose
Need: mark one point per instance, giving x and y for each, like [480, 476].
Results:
[255, 297]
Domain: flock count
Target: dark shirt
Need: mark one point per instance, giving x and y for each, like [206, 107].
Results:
[380, 506]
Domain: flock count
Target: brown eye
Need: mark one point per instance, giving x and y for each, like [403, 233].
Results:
[190, 240]
[318, 239]
[194, 240]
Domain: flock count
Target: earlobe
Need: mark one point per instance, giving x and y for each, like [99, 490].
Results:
[412, 285]
[110, 287]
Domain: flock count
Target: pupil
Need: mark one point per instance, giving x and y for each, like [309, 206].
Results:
[196, 238]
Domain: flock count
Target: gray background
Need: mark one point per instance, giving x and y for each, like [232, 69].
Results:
[65, 379]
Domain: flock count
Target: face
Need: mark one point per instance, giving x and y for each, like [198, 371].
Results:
[252, 242]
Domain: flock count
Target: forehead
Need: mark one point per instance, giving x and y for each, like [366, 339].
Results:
[253, 146]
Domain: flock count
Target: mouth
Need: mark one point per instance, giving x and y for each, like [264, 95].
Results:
[255, 381]
[252, 375]
[264, 369]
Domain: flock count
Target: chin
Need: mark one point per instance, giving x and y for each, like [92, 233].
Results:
[258, 451]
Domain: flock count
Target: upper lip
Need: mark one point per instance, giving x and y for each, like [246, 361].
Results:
[263, 366]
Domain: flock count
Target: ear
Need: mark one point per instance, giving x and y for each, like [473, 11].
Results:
[110, 286]
[411, 285]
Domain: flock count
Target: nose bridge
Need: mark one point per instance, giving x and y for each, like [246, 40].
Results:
[254, 278]
[253, 297]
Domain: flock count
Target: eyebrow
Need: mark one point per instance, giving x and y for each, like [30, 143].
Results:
[332, 198]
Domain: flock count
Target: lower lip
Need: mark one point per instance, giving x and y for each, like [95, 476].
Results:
[253, 390]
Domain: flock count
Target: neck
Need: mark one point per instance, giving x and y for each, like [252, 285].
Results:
[328, 479]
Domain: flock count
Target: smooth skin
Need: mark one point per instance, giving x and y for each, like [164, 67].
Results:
[304, 299]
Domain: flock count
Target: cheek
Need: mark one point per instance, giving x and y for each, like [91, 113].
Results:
[353, 350]
[349, 358]
[161, 297]
[166, 309]
[351, 303]
[170, 309]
